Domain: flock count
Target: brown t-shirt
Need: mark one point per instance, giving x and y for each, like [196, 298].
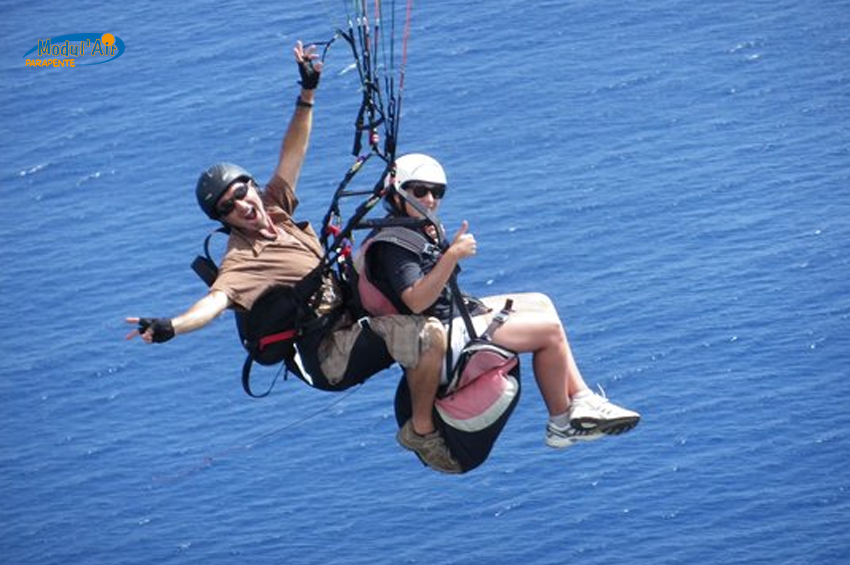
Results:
[252, 263]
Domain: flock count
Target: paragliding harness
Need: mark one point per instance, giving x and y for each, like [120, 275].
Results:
[283, 327]
[483, 386]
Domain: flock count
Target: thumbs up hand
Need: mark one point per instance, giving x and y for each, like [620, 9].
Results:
[464, 244]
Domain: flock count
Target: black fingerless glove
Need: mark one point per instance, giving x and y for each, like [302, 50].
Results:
[162, 328]
[309, 75]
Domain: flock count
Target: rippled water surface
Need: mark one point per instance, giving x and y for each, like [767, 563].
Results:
[674, 175]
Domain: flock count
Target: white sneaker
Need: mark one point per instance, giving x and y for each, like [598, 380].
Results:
[561, 438]
[594, 412]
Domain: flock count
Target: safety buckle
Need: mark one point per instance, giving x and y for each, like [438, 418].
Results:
[431, 249]
[364, 323]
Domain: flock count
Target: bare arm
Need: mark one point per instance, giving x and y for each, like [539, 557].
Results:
[197, 316]
[424, 292]
[293, 148]
[201, 313]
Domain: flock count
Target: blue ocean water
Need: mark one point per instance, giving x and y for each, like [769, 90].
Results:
[675, 175]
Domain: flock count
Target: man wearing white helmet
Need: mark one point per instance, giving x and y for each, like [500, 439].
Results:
[417, 284]
[268, 247]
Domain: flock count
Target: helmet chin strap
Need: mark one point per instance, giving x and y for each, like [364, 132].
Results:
[430, 218]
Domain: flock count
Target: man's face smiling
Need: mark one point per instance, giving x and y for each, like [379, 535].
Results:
[241, 207]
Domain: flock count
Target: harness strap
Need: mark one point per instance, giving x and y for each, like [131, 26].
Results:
[457, 302]
[498, 320]
[319, 324]
[276, 338]
[246, 379]
[204, 266]
[408, 239]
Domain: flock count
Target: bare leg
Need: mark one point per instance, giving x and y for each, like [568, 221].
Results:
[424, 379]
[536, 328]
[419, 434]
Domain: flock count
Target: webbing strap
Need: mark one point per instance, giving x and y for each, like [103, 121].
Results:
[411, 240]
[246, 379]
[457, 301]
[498, 320]
[276, 338]
[204, 266]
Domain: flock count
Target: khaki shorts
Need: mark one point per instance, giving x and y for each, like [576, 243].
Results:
[404, 336]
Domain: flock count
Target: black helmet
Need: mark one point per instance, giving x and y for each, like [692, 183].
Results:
[214, 182]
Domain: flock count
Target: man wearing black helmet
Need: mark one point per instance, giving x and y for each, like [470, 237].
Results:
[268, 247]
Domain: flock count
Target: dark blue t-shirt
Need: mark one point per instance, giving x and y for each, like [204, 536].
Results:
[393, 269]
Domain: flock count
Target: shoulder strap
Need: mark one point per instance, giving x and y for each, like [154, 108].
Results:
[204, 265]
[405, 238]
[207, 269]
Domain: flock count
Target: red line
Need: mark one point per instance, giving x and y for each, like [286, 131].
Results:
[404, 44]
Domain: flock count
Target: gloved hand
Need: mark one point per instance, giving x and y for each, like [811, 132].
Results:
[308, 67]
[161, 328]
[309, 74]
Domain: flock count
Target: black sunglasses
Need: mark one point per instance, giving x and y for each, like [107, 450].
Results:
[225, 207]
[419, 190]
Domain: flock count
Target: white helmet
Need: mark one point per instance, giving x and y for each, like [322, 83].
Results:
[417, 166]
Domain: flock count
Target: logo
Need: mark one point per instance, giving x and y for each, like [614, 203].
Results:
[75, 49]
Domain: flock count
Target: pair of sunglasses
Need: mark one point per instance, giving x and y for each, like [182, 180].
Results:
[419, 190]
[225, 207]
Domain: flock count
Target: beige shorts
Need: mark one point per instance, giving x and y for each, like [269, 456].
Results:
[404, 336]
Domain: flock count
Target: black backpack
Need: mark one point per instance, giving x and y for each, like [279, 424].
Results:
[281, 316]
